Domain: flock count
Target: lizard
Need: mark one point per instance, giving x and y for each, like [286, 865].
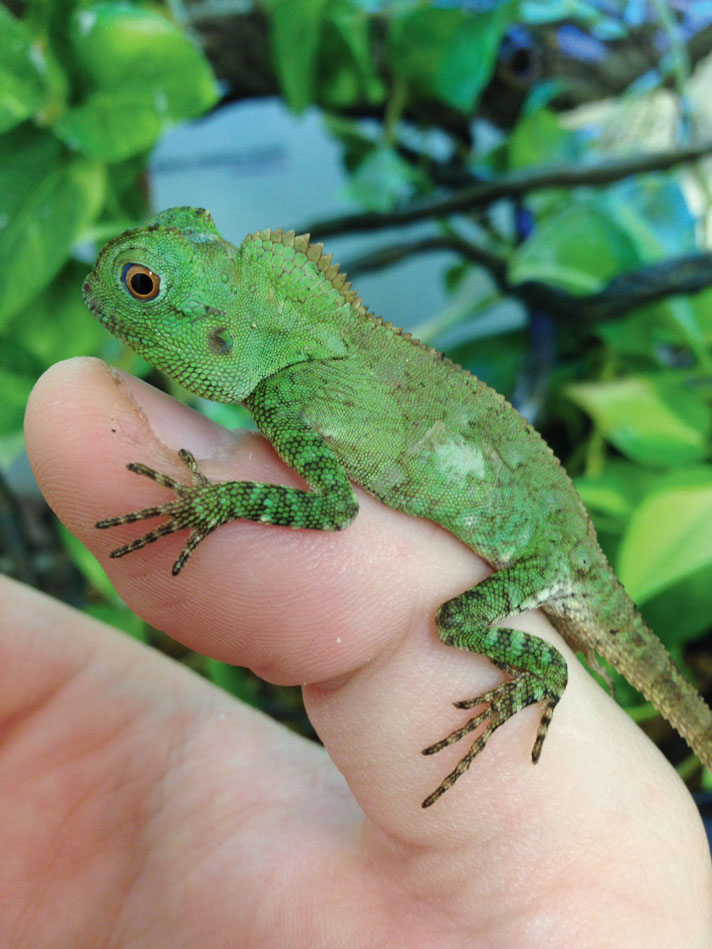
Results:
[347, 398]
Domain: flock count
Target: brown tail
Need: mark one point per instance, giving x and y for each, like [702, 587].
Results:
[635, 651]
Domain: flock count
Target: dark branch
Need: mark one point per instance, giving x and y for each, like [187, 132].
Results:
[511, 186]
[387, 256]
[683, 275]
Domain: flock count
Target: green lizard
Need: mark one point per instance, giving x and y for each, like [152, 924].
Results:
[344, 396]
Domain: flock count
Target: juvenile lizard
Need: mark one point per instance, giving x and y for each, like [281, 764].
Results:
[344, 396]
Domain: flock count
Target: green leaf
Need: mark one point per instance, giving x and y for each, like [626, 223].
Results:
[119, 44]
[604, 496]
[668, 536]
[111, 609]
[616, 491]
[295, 32]
[235, 680]
[27, 156]
[578, 247]
[681, 611]
[539, 138]
[39, 235]
[653, 210]
[644, 332]
[228, 416]
[120, 617]
[142, 74]
[382, 180]
[448, 54]
[497, 360]
[651, 419]
[19, 369]
[611, 496]
[88, 564]
[346, 72]
[55, 324]
[356, 142]
[23, 89]
[100, 129]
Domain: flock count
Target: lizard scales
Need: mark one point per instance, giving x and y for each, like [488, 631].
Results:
[344, 396]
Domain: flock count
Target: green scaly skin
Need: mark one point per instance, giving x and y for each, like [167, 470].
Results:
[345, 397]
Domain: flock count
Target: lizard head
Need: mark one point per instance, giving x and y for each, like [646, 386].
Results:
[215, 317]
[166, 289]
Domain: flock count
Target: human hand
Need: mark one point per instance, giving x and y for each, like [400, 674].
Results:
[147, 807]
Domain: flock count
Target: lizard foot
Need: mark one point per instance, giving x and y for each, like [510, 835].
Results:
[502, 702]
[183, 511]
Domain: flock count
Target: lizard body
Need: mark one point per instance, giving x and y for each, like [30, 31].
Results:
[344, 396]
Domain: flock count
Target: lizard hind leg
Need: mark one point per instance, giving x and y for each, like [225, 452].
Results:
[537, 671]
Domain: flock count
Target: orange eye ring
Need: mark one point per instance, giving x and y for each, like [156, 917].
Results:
[141, 283]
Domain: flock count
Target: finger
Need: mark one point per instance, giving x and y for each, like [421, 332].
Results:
[127, 782]
[294, 605]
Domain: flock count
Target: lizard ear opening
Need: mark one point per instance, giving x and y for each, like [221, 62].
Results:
[141, 283]
[221, 341]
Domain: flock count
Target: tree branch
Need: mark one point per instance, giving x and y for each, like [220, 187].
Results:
[512, 185]
[682, 275]
[387, 256]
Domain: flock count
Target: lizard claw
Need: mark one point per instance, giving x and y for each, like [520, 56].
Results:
[179, 511]
[502, 703]
[168, 528]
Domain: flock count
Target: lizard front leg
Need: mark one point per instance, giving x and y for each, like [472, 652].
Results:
[204, 506]
[537, 670]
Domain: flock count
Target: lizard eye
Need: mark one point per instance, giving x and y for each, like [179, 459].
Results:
[142, 283]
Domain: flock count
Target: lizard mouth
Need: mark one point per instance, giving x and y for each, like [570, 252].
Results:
[94, 307]
[105, 317]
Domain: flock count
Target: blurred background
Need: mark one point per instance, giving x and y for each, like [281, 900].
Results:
[523, 184]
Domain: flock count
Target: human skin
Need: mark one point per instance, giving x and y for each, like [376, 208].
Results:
[149, 808]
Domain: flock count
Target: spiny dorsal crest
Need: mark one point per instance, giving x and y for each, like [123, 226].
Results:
[315, 254]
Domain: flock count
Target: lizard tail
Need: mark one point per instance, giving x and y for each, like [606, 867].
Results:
[635, 651]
